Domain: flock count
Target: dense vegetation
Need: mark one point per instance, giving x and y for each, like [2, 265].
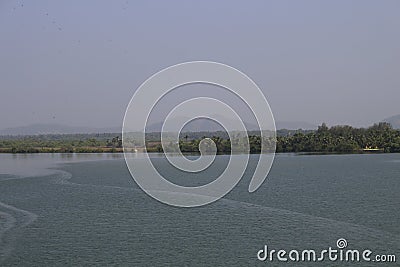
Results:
[342, 139]
[61, 143]
[337, 139]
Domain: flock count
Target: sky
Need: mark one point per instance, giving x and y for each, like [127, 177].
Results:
[78, 63]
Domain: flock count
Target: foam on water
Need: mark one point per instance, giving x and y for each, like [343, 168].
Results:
[14, 219]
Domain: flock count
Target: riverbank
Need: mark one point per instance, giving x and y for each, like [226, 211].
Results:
[379, 138]
[96, 150]
[26, 150]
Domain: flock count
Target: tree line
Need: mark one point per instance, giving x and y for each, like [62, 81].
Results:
[336, 139]
[342, 139]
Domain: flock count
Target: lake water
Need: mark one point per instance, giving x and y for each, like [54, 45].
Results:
[85, 209]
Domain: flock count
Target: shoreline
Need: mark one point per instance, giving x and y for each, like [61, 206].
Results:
[120, 151]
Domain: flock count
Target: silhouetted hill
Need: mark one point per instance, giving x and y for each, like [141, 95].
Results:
[36, 129]
[295, 125]
[394, 121]
[199, 125]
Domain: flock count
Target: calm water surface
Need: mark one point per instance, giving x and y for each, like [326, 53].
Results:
[85, 209]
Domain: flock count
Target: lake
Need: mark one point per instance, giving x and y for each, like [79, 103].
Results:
[85, 209]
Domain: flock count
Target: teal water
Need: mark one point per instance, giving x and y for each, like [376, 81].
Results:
[63, 210]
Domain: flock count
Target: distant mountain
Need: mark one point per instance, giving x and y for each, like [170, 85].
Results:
[195, 126]
[198, 125]
[295, 125]
[35, 129]
[394, 121]
[210, 126]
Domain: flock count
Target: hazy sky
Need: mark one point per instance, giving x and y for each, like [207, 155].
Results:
[79, 62]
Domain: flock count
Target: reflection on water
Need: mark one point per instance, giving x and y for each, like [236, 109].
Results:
[28, 165]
